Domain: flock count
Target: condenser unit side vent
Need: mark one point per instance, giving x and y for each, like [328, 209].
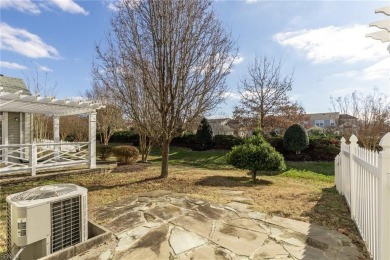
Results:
[9, 247]
[66, 223]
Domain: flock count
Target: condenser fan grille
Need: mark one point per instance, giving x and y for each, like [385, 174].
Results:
[45, 192]
[66, 223]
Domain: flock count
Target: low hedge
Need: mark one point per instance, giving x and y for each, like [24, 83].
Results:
[321, 148]
[125, 137]
[226, 142]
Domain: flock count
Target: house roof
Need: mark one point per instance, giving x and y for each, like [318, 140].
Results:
[11, 85]
[346, 116]
[324, 116]
[218, 120]
[15, 97]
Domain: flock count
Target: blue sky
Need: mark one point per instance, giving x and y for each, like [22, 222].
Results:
[322, 41]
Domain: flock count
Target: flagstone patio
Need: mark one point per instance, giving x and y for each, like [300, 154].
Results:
[166, 225]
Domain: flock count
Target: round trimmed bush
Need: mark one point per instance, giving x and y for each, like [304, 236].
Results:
[103, 151]
[126, 153]
[295, 139]
[256, 157]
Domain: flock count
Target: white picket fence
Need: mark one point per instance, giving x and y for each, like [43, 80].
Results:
[363, 177]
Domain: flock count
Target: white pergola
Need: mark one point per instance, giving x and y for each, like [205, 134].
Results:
[384, 34]
[18, 102]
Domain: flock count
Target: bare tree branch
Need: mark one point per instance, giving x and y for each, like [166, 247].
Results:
[264, 91]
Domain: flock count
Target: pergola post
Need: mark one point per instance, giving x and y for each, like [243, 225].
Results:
[56, 137]
[4, 136]
[92, 140]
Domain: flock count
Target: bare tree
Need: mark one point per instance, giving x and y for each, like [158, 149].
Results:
[242, 124]
[74, 127]
[287, 115]
[264, 91]
[39, 84]
[110, 118]
[174, 56]
[368, 116]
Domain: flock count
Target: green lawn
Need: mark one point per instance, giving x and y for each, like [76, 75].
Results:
[212, 159]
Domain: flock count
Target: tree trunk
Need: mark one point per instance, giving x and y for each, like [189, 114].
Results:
[165, 159]
[254, 176]
[145, 146]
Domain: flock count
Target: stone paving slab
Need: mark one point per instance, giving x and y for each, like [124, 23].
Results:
[165, 225]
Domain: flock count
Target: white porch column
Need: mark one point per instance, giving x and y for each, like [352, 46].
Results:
[56, 137]
[92, 140]
[4, 135]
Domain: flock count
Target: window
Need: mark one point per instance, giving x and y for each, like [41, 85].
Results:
[332, 122]
[319, 123]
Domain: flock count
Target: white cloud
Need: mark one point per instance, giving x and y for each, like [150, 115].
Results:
[239, 59]
[347, 74]
[113, 4]
[26, 6]
[379, 70]
[327, 44]
[69, 6]
[340, 92]
[45, 69]
[231, 95]
[12, 65]
[251, 1]
[25, 43]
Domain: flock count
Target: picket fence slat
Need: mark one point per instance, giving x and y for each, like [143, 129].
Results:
[363, 177]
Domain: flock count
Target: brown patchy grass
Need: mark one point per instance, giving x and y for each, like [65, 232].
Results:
[299, 193]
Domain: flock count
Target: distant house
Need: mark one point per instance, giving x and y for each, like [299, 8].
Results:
[220, 126]
[343, 123]
[19, 130]
[324, 120]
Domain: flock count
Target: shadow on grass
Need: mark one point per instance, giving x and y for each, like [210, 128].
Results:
[228, 181]
[211, 159]
[331, 211]
[105, 187]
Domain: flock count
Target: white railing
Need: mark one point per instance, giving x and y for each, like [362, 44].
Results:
[363, 177]
[19, 157]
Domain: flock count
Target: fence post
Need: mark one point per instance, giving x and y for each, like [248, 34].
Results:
[342, 164]
[384, 197]
[352, 149]
[56, 137]
[92, 140]
[32, 160]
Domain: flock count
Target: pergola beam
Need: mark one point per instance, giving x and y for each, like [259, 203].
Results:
[15, 102]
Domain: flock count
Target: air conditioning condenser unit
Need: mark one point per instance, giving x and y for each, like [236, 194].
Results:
[46, 219]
